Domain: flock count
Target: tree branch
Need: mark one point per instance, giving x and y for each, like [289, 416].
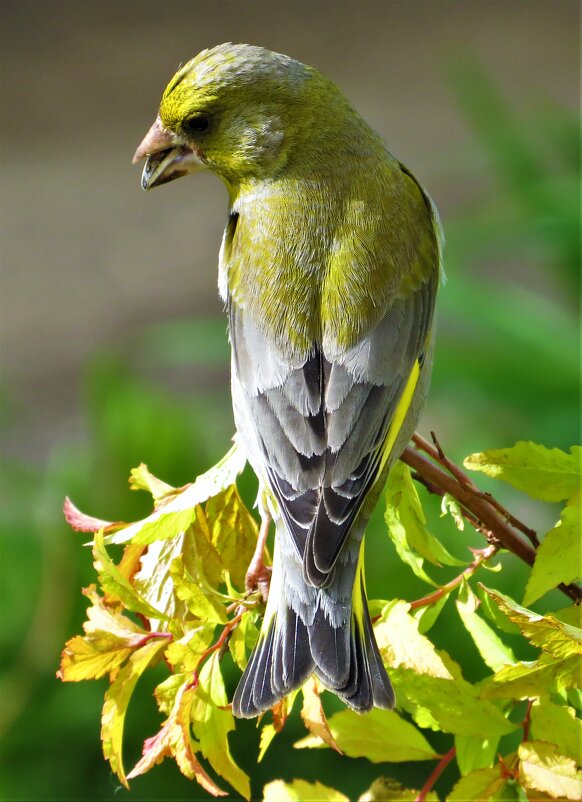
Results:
[484, 512]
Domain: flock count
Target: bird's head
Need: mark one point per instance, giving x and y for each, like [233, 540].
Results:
[242, 111]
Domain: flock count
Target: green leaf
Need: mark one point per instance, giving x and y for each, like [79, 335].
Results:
[557, 725]
[543, 768]
[301, 791]
[494, 652]
[451, 705]
[176, 516]
[212, 720]
[494, 614]
[175, 739]
[570, 615]
[401, 644]
[407, 525]
[233, 532]
[380, 735]
[548, 474]
[559, 557]
[482, 784]
[184, 654]
[141, 479]
[267, 734]
[546, 632]
[109, 640]
[242, 639]
[117, 700]
[428, 614]
[451, 506]
[115, 584]
[201, 602]
[526, 680]
[475, 753]
[385, 789]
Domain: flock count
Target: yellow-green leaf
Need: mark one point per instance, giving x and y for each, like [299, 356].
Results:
[475, 753]
[545, 473]
[546, 632]
[451, 705]
[212, 721]
[559, 557]
[301, 791]
[401, 644]
[543, 768]
[428, 613]
[557, 725]
[494, 652]
[117, 700]
[176, 516]
[141, 479]
[202, 602]
[385, 789]
[526, 680]
[406, 523]
[381, 736]
[479, 786]
[314, 717]
[243, 638]
[233, 532]
[175, 739]
[450, 505]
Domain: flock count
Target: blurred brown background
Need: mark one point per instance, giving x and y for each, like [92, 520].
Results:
[113, 340]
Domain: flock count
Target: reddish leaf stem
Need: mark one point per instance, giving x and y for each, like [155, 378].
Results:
[436, 773]
[481, 557]
[217, 645]
[527, 720]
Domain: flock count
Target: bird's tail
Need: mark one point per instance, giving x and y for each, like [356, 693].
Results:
[306, 630]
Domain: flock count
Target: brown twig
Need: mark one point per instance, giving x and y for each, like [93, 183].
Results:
[480, 509]
[481, 557]
[435, 774]
[218, 644]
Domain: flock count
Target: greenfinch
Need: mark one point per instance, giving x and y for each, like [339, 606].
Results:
[329, 268]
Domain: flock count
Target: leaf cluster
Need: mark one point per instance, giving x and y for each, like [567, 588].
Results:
[176, 598]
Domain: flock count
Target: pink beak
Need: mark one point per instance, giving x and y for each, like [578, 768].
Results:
[157, 139]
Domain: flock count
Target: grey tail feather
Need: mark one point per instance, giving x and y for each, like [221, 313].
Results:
[346, 660]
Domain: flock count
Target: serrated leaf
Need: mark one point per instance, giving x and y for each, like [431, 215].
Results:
[406, 524]
[80, 522]
[475, 753]
[109, 640]
[184, 654]
[174, 739]
[428, 614]
[212, 721]
[543, 768]
[451, 705]
[203, 559]
[140, 478]
[233, 532]
[177, 515]
[201, 602]
[450, 505]
[401, 644]
[380, 735]
[526, 680]
[570, 615]
[301, 791]
[115, 584]
[117, 699]
[490, 609]
[267, 734]
[546, 632]
[385, 789]
[494, 652]
[559, 557]
[153, 580]
[243, 638]
[314, 717]
[548, 474]
[557, 725]
[479, 786]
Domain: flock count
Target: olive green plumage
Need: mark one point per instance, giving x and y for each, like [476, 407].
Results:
[329, 268]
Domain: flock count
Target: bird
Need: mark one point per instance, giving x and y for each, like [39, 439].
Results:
[328, 268]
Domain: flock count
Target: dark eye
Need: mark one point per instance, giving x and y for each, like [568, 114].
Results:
[196, 124]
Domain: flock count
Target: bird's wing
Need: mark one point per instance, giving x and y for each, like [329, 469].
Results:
[325, 428]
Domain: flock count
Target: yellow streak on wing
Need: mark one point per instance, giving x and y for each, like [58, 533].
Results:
[357, 595]
[399, 415]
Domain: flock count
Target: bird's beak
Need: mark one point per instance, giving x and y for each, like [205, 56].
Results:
[166, 159]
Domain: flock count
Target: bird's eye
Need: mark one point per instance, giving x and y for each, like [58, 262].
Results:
[196, 124]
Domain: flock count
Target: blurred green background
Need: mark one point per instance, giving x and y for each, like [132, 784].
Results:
[113, 340]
